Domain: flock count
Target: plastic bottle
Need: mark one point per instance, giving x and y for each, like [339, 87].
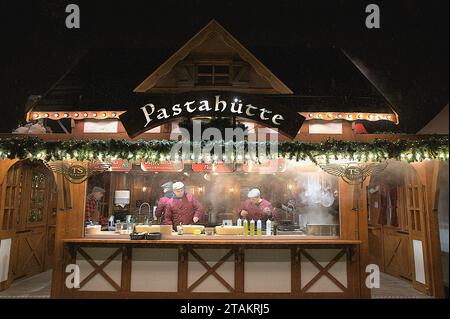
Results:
[111, 221]
[245, 227]
[259, 227]
[252, 227]
[268, 227]
[239, 222]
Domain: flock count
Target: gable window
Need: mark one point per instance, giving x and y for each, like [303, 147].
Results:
[212, 74]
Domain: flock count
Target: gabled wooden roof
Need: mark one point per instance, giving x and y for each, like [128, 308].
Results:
[213, 28]
[111, 79]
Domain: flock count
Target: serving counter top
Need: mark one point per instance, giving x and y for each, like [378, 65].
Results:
[217, 240]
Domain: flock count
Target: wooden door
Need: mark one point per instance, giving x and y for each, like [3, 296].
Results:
[11, 195]
[29, 253]
[396, 253]
[389, 244]
[34, 204]
[416, 204]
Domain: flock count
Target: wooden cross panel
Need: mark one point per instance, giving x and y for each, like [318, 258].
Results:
[210, 270]
[98, 268]
[323, 271]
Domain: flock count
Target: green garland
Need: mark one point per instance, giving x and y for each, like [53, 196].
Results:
[433, 147]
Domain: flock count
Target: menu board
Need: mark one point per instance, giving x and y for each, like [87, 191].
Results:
[117, 165]
[213, 167]
[163, 166]
[265, 166]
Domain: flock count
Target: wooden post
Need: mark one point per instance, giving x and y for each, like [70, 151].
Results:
[363, 235]
[69, 224]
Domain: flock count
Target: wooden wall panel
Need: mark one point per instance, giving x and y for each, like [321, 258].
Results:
[69, 224]
[348, 216]
[376, 247]
[428, 172]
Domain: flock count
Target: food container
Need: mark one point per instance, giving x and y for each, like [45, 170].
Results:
[153, 236]
[147, 228]
[229, 230]
[189, 229]
[152, 229]
[124, 230]
[322, 229]
[136, 236]
[165, 229]
[93, 229]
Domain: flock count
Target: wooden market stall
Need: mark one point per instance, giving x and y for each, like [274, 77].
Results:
[327, 181]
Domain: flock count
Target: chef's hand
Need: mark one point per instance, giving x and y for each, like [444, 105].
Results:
[195, 219]
[244, 213]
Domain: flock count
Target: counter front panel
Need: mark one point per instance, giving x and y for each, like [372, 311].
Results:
[192, 268]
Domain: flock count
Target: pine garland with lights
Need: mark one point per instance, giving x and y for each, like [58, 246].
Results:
[433, 147]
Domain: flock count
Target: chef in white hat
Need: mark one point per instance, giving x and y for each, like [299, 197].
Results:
[184, 208]
[164, 201]
[256, 207]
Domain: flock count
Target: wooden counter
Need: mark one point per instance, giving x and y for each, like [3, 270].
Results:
[200, 266]
[215, 240]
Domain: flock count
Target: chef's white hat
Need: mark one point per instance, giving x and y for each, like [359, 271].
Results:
[177, 185]
[253, 193]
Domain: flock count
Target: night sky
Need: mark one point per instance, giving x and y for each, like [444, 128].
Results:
[407, 58]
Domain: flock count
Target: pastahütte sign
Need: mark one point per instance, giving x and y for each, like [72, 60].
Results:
[163, 109]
